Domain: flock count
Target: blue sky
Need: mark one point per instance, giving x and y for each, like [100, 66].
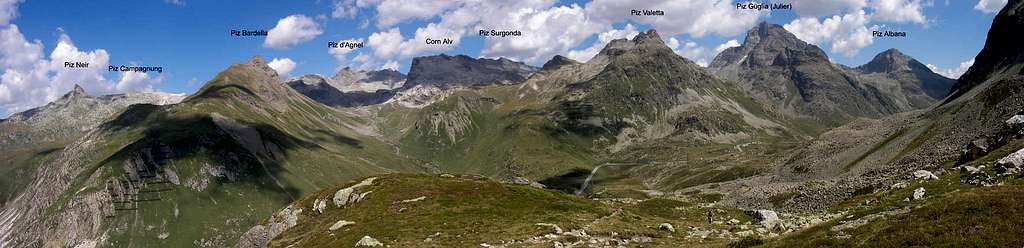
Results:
[190, 38]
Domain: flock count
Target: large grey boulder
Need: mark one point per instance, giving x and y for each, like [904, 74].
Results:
[352, 193]
[763, 215]
[1011, 164]
[923, 174]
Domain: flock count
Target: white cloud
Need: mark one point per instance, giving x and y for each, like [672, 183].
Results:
[292, 30]
[391, 12]
[8, 10]
[690, 50]
[137, 81]
[29, 79]
[282, 66]
[586, 54]
[18, 53]
[898, 11]
[953, 73]
[990, 6]
[344, 9]
[546, 33]
[847, 34]
[726, 45]
[178, 3]
[390, 65]
[815, 8]
[694, 17]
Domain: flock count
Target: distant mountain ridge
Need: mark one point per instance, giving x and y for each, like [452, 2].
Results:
[463, 71]
[349, 80]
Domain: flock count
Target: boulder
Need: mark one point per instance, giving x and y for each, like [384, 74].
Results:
[350, 194]
[918, 193]
[667, 227]
[1016, 120]
[1011, 164]
[976, 149]
[763, 215]
[319, 205]
[923, 174]
[340, 224]
[368, 241]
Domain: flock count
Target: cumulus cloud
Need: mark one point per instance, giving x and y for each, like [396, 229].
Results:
[344, 9]
[31, 79]
[398, 11]
[290, 31]
[815, 8]
[953, 72]
[137, 81]
[690, 50]
[987, 6]
[341, 53]
[846, 34]
[898, 11]
[547, 29]
[586, 54]
[9, 10]
[546, 33]
[726, 45]
[694, 17]
[282, 66]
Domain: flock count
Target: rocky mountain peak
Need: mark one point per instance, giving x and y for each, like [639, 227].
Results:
[770, 44]
[77, 91]
[649, 36]
[891, 60]
[557, 62]
[258, 63]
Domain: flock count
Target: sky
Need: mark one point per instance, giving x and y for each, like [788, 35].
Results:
[191, 40]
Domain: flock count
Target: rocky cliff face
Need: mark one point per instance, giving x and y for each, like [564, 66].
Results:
[797, 79]
[463, 71]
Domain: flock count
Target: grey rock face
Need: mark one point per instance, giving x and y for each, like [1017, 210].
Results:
[798, 79]
[462, 71]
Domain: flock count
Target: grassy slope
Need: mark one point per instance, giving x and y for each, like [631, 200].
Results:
[506, 137]
[470, 210]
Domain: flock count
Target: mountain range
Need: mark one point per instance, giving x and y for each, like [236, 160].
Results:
[625, 149]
